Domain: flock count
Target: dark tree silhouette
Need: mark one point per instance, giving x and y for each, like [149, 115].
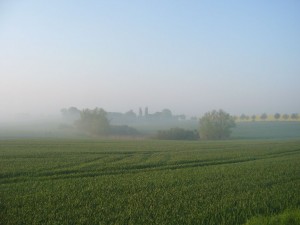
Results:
[264, 116]
[277, 116]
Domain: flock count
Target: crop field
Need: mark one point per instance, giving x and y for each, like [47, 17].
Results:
[266, 130]
[147, 182]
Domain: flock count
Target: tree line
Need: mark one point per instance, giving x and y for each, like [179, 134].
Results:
[212, 125]
[265, 116]
[130, 117]
[96, 122]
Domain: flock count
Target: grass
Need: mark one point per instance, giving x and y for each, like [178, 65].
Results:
[288, 217]
[146, 182]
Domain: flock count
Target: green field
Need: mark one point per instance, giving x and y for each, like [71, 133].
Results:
[146, 182]
[267, 130]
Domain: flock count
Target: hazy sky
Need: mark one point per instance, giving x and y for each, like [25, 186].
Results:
[188, 56]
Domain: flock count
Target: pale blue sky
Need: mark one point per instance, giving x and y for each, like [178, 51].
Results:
[189, 56]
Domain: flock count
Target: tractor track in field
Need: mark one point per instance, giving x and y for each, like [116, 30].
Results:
[113, 166]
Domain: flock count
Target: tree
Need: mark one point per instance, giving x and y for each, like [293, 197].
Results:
[216, 125]
[94, 121]
[253, 117]
[276, 116]
[130, 115]
[146, 112]
[71, 114]
[243, 117]
[181, 117]
[294, 116]
[166, 114]
[193, 118]
[285, 116]
[140, 112]
[264, 116]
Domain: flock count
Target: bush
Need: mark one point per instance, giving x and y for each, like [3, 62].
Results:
[177, 134]
[123, 130]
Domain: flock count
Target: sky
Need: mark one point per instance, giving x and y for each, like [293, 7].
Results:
[188, 56]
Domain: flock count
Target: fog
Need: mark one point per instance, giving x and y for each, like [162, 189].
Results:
[192, 57]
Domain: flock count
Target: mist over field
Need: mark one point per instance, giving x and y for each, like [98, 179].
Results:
[190, 57]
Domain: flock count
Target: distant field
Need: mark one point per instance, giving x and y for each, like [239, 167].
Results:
[40, 129]
[146, 182]
[243, 130]
[267, 130]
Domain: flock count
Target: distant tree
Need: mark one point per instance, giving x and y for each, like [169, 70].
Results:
[194, 118]
[130, 114]
[73, 110]
[156, 116]
[276, 116]
[140, 112]
[216, 125]
[123, 130]
[243, 117]
[181, 117]
[253, 117]
[264, 116]
[146, 112]
[177, 134]
[285, 116]
[166, 113]
[70, 114]
[129, 117]
[294, 116]
[94, 121]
